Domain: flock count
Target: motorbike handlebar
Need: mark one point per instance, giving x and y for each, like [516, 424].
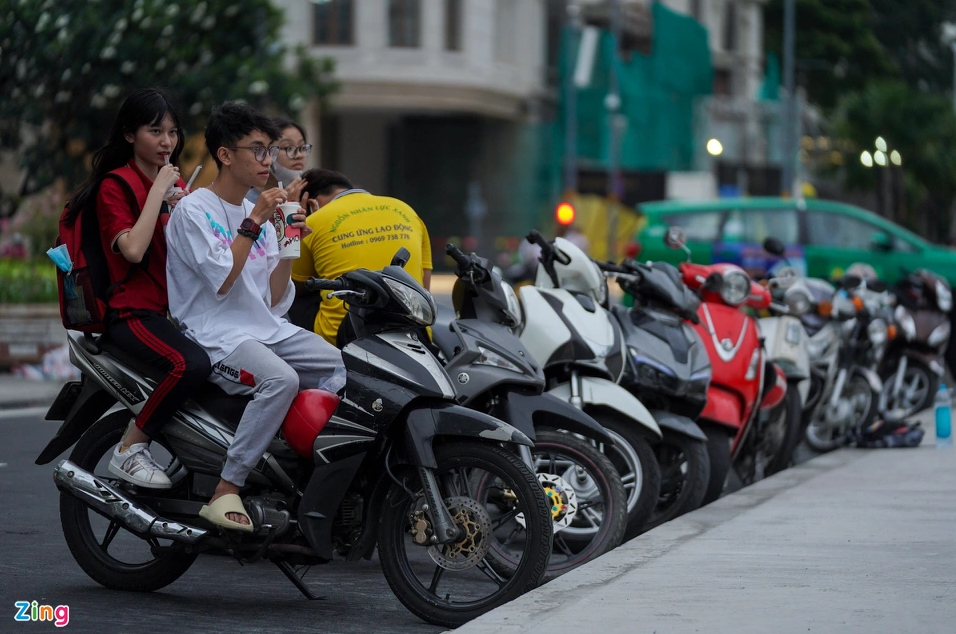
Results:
[548, 252]
[318, 284]
[456, 254]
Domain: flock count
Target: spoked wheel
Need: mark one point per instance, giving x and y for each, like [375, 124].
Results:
[588, 504]
[916, 391]
[685, 471]
[450, 584]
[633, 458]
[110, 554]
[825, 434]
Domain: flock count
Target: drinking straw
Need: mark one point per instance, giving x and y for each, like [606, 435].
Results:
[189, 185]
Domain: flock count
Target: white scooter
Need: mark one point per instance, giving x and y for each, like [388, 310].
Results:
[581, 350]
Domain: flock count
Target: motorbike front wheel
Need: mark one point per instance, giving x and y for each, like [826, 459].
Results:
[111, 555]
[451, 584]
[633, 458]
[824, 435]
[685, 471]
[793, 413]
[917, 390]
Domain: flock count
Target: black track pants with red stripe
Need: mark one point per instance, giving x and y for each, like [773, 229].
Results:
[155, 340]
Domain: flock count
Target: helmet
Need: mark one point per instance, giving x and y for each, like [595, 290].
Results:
[579, 275]
[309, 413]
[862, 270]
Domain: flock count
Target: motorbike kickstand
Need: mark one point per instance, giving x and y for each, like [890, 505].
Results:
[262, 549]
[297, 581]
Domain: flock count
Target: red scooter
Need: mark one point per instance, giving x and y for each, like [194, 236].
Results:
[744, 382]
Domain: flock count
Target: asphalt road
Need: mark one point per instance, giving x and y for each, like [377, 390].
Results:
[215, 595]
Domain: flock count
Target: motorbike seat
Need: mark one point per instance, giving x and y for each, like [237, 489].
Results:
[442, 334]
[209, 396]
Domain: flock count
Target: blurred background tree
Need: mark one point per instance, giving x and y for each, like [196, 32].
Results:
[837, 48]
[66, 65]
[921, 128]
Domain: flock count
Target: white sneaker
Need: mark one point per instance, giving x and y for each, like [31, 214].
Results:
[137, 465]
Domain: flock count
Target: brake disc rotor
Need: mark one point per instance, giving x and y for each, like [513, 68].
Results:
[561, 496]
[475, 524]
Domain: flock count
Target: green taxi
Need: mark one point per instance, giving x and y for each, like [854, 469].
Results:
[823, 237]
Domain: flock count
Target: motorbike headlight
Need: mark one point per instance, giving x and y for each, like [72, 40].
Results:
[905, 320]
[513, 312]
[487, 357]
[735, 288]
[798, 302]
[877, 331]
[420, 308]
[940, 335]
[944, 296]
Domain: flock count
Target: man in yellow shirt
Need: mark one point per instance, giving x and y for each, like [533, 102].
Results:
[354, 229]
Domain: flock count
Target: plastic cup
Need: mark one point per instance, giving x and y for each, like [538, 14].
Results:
[171, 192]
[289, 237]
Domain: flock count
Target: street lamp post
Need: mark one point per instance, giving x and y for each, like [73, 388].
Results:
[789, 113]
[573, 24]
[615, 128]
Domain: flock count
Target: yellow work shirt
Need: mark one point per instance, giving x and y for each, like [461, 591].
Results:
[358, 231]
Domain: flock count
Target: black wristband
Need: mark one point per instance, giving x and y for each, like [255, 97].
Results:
[252, 235]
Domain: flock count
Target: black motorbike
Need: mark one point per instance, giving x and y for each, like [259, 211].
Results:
[668, 369]
[395, 466]
[495, 374]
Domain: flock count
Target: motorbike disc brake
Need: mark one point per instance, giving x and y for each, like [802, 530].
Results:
[561, 497]
[475, 524]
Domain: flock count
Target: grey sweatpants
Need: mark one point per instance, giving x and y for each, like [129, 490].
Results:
[273, 374]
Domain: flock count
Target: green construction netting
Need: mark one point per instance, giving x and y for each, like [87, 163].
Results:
[658, 93]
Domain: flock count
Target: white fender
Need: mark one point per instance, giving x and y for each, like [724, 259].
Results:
[597, 391]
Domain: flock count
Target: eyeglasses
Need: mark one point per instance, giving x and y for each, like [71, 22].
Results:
[304, 150]
[259, 151]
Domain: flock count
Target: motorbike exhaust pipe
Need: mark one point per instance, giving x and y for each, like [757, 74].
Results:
[111, 502]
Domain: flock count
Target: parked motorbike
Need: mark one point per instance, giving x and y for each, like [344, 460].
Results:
[847, 335]
[395, 462]
[785, 341]
[495, 374]
[744, 382]
[667, 369]
[580, 348]
[914, 362]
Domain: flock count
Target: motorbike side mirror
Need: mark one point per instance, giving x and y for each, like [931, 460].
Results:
[675, 238]
[401, 257]
[851, 281]
[773, 246]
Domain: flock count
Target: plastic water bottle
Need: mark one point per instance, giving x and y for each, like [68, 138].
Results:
[944, 426]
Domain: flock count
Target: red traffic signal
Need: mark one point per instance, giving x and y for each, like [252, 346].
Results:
[565, 214]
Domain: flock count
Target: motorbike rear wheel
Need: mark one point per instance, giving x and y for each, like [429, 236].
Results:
[81, 523]
[417, 573]
[685, 472]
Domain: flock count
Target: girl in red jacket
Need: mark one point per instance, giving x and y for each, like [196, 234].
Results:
[143, 149]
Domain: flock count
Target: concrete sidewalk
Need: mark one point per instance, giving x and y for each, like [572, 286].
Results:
[853, 541]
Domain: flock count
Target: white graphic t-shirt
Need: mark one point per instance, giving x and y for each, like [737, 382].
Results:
[198, 237]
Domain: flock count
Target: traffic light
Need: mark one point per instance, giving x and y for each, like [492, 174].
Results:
[565, 214]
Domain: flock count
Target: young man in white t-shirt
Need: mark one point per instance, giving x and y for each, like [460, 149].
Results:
[228, 290]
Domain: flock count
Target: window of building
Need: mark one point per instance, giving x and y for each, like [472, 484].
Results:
[332, 22]
[404, 23]
[729, 34]
[506, 33]
[453, 10]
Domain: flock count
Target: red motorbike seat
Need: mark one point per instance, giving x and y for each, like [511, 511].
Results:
[309, 413]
